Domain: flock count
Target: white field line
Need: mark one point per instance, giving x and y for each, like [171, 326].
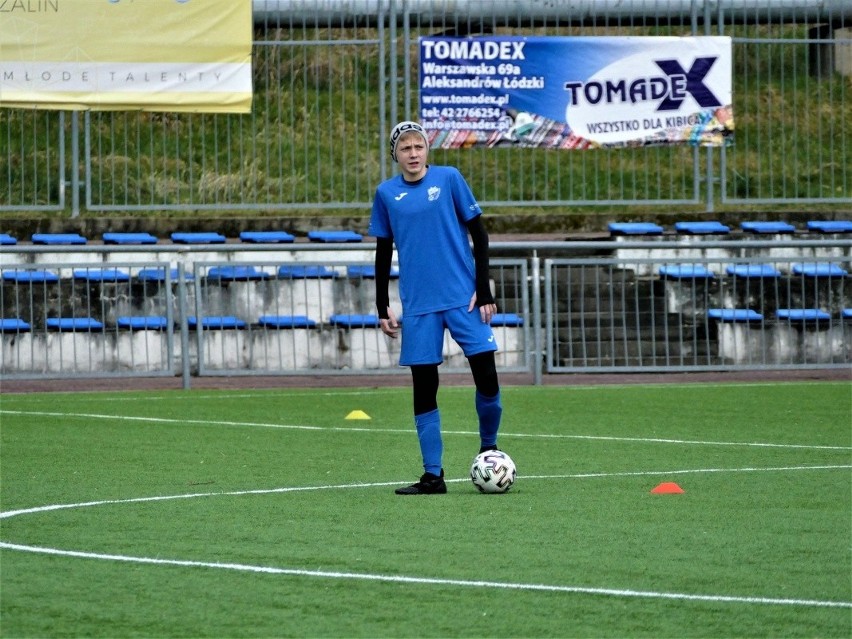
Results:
[295, 489]
[433, 581]
[407, 431]
[296, 572]
[48, 396]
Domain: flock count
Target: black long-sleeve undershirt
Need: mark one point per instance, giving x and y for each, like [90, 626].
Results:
[384, 259]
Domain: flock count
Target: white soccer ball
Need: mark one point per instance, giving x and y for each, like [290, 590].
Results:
[493, 472]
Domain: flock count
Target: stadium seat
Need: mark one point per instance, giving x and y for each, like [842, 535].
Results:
[13, 325]
[702, 228]
[159, 275]
[507, 319]
[6, 239]
[288, 343]
[58, 238]
[267, 237]
[198, 238]
[236, 273]
[147, 323]
[368, 271]
[685, 272]
[753, 271]
[216, 322]
[74, 324]
[30, 275]
[129, 238]
[802, 314]
[767, 228]
[286, 321]
[818, 269]
[358, 343]
[829, 226]
[734, 315]
[739, 335]
[101, 275]
[334, 236]
[634, 228]
[302, 271]
[846, 313]
[354, 321]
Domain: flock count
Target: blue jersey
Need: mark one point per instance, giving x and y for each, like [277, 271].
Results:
[427, 221]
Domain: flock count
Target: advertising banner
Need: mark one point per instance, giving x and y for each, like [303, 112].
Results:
[150, 55]
[576, 92]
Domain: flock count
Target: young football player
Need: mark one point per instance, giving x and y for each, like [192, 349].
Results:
[429, 212]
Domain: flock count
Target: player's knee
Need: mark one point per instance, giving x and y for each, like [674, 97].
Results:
[484, 370]
[425, 385]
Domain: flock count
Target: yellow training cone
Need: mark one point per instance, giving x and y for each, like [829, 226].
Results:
[357, 414]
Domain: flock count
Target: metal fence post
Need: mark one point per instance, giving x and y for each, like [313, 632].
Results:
[184, 325]
[536, 308]
[75, 164]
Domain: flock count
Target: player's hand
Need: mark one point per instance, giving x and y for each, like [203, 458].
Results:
[486, 311]
[390, 326]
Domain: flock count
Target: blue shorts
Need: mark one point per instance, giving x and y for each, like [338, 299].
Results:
[423, 335]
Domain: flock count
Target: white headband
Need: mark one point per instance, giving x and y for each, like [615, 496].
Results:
[405, 127]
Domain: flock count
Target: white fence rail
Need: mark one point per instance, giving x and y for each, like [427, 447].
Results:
[646, 305]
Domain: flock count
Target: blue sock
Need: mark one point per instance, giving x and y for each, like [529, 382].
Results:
[431, 446]
[490, 410]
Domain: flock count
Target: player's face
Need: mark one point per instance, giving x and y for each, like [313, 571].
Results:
[411, 153]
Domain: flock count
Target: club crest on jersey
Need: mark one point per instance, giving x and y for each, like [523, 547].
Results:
[434, 192]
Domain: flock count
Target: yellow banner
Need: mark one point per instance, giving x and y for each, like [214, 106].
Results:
[150, 55]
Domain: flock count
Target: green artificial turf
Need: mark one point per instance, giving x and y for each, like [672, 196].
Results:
[269, 513]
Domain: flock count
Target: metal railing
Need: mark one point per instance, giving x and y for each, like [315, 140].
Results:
[642, 305]
[656, 315]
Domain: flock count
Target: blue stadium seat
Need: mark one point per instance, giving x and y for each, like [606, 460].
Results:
[286, 321]
[129, 238]
[755, 271]
[846, 313]
[634, 228]
[818, 269]
[267, 237]
[802, 314]
[143, 323]
[355, 321]
[368, 271]
[74, 324]
[6, 239]
[198, 238]
[215, 322]
[303, 271]
[767, 228]
[734, 315]
[159, 274]
[507, 319]
[101, 275]
[685, 272]
[58, 238]
[702, 228]
[334, 236]
[236, 273]
[830, 226]
[13, 325]
[30, 275]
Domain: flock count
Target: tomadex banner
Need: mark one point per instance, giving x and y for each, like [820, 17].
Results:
[153, 55]
[576, 92]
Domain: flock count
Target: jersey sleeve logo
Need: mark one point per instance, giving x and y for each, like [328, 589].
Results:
[434, 193]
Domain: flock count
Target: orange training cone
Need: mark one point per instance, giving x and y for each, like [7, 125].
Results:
[667, 488]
